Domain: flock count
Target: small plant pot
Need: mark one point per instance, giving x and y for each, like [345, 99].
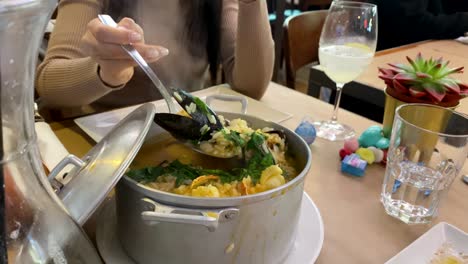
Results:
[392, 102]
[432, 119]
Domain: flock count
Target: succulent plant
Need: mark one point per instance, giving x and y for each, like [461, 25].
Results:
[425, 79]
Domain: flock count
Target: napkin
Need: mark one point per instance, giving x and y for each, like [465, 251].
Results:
[463, 40]
[51, 149]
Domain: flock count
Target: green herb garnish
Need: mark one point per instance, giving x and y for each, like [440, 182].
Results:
[182, 172]
[201, 105]
[146, 175]
[260, 159]
[234, 137]
[261, 156]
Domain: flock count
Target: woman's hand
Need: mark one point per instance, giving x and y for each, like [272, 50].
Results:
[102, 43]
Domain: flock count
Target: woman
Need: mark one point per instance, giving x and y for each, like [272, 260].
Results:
[85, 65]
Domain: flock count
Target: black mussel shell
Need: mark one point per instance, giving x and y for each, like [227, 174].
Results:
[280, 133]
[181, 127]
[202, 112]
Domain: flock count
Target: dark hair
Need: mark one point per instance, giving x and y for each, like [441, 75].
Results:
[203, 18]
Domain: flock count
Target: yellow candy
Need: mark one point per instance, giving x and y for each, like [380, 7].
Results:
[366, 154]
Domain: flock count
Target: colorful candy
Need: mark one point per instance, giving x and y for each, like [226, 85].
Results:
[307, 131]
[370, 136]
[383, 143]
[353, 165]
[378, 154]
[370, 147]
[351, 145]
[384, 160]
[344, 153]
[366, 154]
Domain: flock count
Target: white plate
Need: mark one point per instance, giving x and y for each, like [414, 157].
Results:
[422, 249]
[98, 125]
[309, 239]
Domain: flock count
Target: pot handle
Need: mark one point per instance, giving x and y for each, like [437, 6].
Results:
[68, 160]
[229, 98]
[157, 213]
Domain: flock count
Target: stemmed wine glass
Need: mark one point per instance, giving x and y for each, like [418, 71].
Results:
[347, 45]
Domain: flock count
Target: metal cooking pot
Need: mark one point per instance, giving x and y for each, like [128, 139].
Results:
[160, 227]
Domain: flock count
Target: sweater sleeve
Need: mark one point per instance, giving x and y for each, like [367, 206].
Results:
[66, 78]
[247, 49]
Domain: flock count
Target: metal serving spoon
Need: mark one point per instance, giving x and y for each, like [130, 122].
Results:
[195, 127]
[136, 56]
[174, 128]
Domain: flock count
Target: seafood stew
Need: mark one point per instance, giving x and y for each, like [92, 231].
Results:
[264, 163]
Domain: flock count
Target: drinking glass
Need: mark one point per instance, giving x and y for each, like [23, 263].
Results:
[347, 45]
[427, 150]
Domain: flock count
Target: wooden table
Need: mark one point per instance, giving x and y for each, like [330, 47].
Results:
[455, 52]
[357, 230]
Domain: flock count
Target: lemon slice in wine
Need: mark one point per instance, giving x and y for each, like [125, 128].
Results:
[361, 46]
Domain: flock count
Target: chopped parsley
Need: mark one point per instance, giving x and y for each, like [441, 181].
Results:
[234, 137]
[201, 105]
[260, 159]
[182, 173]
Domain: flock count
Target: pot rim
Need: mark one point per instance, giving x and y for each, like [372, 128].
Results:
[173, 198]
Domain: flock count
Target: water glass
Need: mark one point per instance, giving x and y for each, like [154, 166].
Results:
[427, 150]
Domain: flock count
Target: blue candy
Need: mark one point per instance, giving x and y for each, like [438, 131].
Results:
[396, 185]
[306, 130]
[353, 165]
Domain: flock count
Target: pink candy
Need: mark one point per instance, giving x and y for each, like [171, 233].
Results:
[351, 145]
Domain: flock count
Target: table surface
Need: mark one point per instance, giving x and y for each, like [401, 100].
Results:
[454, 51]
[357, 230]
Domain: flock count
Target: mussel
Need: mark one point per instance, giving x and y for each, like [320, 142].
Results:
[181, 127]
[198, 110]
[280, 133]
[201, 123]
[198, 127]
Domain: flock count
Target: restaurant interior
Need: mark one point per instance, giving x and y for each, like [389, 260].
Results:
[234, 131]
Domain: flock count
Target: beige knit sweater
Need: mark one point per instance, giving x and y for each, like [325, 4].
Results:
[68, 79]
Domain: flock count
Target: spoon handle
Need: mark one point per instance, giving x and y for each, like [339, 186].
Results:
[107, 20]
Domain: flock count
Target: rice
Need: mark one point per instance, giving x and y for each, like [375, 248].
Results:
[228, 142]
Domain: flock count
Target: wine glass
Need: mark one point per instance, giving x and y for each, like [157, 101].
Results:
[347, 45]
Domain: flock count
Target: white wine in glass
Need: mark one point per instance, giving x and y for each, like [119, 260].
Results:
[347, 46]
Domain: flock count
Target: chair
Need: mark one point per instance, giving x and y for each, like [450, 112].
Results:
[302, 35]
[278, 10]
